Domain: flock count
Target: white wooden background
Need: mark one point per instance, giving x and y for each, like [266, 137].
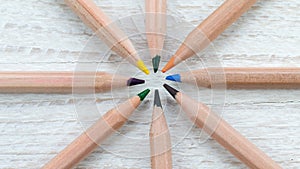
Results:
[46, 35]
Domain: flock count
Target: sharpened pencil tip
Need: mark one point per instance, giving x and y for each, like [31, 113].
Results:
[155, 63]
[169, 65]
[134, 81]
[157, 101]
[141, 65]
[175, 78]
[171, 90]
[143, 94]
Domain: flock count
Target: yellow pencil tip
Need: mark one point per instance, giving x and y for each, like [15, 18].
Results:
[140, 64]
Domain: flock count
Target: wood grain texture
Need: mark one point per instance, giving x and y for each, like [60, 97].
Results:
[208, 30]
[224, 134]
[59, 82]
[103, 26]
[245, 78]
[156, 23]
[47, 36]
[89, 140]
[160, 142]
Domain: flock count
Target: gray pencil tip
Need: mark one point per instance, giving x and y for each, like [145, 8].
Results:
[157, 101]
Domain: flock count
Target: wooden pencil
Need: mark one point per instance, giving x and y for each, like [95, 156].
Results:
[107, 31]
[156, 24]
[160, 141]
[94, 135]
[222, 132]
[62, 82]
[239, 77]
[209, 30]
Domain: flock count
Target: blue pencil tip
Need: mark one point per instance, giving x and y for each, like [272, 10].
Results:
[175, 78]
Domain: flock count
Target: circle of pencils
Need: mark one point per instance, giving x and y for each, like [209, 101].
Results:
[159, 136]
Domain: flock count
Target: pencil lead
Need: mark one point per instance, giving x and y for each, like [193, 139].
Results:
[143, 94]
[169, 65]
[171, 90]
[134, 81]
[175, 78]
[155, 63]
[157, 101]
[141, 65]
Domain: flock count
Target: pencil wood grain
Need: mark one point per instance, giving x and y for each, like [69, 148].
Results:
[59, 82]
[106, 30]
[241, 77]
[93, 136]
[160, 141]
[209, 30]
[225, 134]
[156, 25]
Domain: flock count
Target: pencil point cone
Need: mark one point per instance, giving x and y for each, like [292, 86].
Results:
[134, 81]
[155, 63]
[157, 101]
[143, 94]
[175, 78]
[169, 65]
[171, 90]
[141, 65]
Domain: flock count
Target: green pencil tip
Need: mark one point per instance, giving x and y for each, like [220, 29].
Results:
[143, 94]
[155, 63]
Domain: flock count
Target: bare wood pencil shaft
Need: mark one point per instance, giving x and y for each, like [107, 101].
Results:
[223, 17]
[214, 25]
[224, 134]
[160, 142]
[209, 30]
[156, 25]
[107, 31]
[89, 140]
[58, 82]
[246, 77]
[97, 20]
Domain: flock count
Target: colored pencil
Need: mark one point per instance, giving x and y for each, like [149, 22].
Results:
[222, 132]
[235, 78]
[62, 82]
[108, 32]
[160, 141]
[93, 136]
[209, 30]
[156, 24]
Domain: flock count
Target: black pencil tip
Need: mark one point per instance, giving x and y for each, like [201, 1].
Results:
[134, 81]
[171, 90]
[157, 101]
